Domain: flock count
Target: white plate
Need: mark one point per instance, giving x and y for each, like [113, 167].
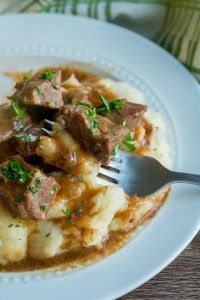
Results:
[31, 41]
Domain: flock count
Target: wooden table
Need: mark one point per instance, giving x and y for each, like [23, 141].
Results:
[180, 280]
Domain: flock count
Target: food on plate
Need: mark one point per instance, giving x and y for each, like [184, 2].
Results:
[56, 130]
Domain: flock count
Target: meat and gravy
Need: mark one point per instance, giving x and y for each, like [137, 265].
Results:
[52, 211]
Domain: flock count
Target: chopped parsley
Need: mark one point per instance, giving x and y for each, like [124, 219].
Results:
[14, 171]
[66, 211]
[48, 74]
[48, 234]
[105, 109]
[26, 77]
[17, 225]
[57, 187]
[18, 198]
[116, 149]
[10, 225]
[42, 207]
[91, 114]
[39, 90]
[129, 142]
[82, 103]
[34, 188]
[68, 220]
[116, 104]
[25, 137]
[108, 106]
[68, 99]
[18, 111]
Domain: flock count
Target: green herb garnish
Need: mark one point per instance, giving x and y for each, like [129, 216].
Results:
[57, 187]
[18, 111]
[66, 211]
[48, 74]
[25, 137]
[10, 225]
[15, 171]
[82, 103]
[129, 142]
[34, 188]
[26, 77]
[17, 225]
[116, 104]
[68, 220]
[91, 114]
[105, 110]
[18, 198]
[116, 149]
[42, 207]
[68, 99]
[108, 106]
[48, 234]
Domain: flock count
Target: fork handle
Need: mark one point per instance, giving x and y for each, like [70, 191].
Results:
[184, 177]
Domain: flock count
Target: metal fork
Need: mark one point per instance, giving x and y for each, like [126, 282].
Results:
[136, 174]
[141, 175]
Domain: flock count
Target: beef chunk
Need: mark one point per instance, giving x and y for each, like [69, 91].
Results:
[27, 191]
[131, 113]
[42, 90]
[97, 134]
[25, 142]
[11, 124]
[6, 123]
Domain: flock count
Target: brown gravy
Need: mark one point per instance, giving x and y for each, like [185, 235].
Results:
[83, 255]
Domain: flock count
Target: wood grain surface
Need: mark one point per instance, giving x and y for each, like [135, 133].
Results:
[180, 280]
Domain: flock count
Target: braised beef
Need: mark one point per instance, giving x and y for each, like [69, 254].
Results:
[129, 113]
[25, 142]
[41, 90]
[11, 124]
[97, 134]
[27, 191]
[6, 123]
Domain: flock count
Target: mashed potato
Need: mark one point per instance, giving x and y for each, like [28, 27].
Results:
[159, 148]
[96, 223]
[107, 210]
[13, 237]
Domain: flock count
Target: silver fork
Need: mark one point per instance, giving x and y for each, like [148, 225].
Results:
[136, 174]
[141, 175]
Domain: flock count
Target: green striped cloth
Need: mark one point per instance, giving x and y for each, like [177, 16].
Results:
[173, 24]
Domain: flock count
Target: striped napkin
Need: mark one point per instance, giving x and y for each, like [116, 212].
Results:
[173, 24]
